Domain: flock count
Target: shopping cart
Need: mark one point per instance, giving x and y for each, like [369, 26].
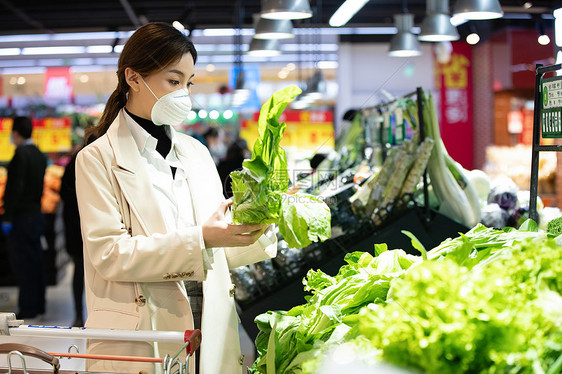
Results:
[191, 340]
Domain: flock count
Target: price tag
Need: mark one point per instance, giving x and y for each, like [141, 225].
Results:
[387, 129]
[551, 101]
[399, 132]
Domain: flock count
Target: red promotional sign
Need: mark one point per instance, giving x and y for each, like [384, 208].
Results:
[58, 82]
[454, 82]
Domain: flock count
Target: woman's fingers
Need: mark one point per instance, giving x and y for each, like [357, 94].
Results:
[225, 204]
[247, 228]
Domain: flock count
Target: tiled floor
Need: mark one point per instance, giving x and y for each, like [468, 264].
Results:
[60, 312]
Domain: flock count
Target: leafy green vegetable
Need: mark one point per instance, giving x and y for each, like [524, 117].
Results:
[501, 318]
[488, 301]
[304, 219]
[332, 306]
[554, 226]
[259, 189]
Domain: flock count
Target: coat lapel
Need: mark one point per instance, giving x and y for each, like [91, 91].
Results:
[132, 177]
[197, 189]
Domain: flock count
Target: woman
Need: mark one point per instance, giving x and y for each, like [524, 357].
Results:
[153, 215]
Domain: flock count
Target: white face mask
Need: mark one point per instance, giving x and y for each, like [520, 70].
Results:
[170, 109]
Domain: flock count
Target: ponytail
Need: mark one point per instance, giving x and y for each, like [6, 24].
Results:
[116, 101]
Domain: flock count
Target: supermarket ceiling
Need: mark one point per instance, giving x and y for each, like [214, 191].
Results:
[40, 16]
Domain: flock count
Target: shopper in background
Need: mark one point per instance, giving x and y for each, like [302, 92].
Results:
[23, 221]
[72, 235]
[153, 216]
[235, 154]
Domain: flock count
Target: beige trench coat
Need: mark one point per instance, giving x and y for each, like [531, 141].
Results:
[134, 268]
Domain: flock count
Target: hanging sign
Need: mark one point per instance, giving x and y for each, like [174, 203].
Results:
[49, 135]
[551, 107]
[454, 81]
[58, 83]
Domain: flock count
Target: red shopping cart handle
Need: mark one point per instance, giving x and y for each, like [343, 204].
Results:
[194, 339]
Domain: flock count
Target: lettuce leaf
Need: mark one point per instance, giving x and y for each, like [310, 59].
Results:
[259, 189]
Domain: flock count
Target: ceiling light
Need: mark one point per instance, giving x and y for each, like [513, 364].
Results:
[202, 114]
[84, 78]
[264, 47]
[436, 26]
[13, 81]
[472, 38]
[347, 10]
[458, 20]
[315, 87]
[527, 5]
[286, 9]
[404, 43]
[9, 51]
[282, 74]
[210, 68]
[21, 80]
[327, 64]
[273, 28]
[544, 39]
[52, 50]
[191, 115]
[99, 49]
[178, 25]
[478, 9]
[291, 66]
[214, 114]
[227, 114]
[219, 32]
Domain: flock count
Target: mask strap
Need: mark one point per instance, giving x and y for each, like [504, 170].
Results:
[149, 89]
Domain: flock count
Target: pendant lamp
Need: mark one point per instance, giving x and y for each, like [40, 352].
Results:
[272, 28]
[478, 9]
[286, 9]
[436, 26]
[264, 47]
[404, 43]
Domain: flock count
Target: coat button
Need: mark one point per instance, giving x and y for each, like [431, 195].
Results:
[140, 301]
[166, 276]
[232, 290]
[241, 360]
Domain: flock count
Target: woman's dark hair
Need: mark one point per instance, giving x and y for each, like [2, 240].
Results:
[150, 49]
[23, 126]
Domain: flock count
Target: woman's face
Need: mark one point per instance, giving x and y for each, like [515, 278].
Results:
[176, 76]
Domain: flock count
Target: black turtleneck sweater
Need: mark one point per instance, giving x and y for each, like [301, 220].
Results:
[164, 143]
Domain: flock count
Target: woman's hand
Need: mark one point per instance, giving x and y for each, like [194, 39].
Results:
[219, 233]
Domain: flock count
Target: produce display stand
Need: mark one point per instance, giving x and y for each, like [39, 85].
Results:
[9, 326]
[283, 292]
[547, 121]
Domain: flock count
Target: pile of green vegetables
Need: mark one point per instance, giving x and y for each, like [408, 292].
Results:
[488, 301]
[260, 188]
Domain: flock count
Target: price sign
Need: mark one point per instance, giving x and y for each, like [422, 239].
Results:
[551, 101]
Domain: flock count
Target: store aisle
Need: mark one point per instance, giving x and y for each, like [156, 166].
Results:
[60, 312]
